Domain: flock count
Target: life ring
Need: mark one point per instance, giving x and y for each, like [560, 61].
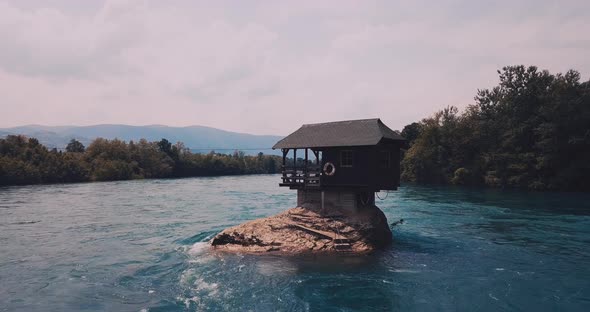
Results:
[327, 166]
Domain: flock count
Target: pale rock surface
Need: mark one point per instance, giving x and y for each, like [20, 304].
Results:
[304, 230]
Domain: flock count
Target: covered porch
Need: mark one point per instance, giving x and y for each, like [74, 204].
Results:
[304, 172]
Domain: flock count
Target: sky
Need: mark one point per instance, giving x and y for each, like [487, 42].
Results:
[266, 67]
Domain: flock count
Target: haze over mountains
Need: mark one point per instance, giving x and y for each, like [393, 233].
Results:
[197, 138]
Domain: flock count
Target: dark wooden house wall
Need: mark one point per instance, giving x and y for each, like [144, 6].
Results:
[367, 171]
[358, 175]
[387, 178]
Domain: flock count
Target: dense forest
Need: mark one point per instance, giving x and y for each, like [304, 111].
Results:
[531, 131]
[26, 161]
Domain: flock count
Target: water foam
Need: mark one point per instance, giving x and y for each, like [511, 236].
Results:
[198, 248]
[190, 279]
[199, 253]
[404, 271]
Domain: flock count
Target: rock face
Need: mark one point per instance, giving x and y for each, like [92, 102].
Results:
[308, 230]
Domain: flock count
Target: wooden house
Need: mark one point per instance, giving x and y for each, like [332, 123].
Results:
[341, 163]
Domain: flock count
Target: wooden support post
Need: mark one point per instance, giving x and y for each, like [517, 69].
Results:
[305, 168]
[285, 151]
[319, 164]
[294, 174]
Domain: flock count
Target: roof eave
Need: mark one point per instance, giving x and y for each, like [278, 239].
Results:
[278, 146]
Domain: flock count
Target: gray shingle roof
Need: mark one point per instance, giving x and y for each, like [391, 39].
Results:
[341, 133]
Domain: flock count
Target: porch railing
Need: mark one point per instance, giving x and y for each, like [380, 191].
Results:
[309, 176]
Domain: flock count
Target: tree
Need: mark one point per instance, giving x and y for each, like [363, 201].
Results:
[529, 131]
[26, 161]
[411, 132]
[75, 146]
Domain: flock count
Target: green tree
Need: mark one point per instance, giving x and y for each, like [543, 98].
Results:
[411, 132]
[75, 146]
[530, 131]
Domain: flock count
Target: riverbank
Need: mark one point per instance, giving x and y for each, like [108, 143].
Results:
[24, 161]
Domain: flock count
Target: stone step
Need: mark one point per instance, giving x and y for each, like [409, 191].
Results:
[342, 241]
[342, 246]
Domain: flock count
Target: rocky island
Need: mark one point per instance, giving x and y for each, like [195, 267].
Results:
[309, 230]
[343, 164]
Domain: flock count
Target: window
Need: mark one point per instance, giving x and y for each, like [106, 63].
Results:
[346, 158]
[385, 159]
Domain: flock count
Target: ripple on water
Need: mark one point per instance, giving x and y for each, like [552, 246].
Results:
[142, 246]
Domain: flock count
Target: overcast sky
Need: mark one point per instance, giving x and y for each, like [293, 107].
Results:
[268, 67]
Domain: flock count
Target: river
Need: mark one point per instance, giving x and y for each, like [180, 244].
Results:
[141, 246]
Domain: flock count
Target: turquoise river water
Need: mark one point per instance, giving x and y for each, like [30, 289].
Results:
[141, 246]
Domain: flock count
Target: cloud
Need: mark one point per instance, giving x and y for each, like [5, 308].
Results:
[47, 43]
[267, 67]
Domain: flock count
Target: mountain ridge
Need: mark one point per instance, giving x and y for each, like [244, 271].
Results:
[196, 137]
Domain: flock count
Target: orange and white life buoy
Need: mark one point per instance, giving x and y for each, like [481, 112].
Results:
[329, 169]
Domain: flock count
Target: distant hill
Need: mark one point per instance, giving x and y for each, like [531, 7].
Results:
[197, 138]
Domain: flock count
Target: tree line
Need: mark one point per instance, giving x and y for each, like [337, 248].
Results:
[25, 161]
[530, 131]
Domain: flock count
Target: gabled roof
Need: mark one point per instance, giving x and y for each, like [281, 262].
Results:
[340, 133]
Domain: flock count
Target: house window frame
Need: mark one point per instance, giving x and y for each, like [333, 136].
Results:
[349, 160]
[382, 159]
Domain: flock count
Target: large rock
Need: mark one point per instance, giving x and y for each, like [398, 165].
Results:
[307, 230]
